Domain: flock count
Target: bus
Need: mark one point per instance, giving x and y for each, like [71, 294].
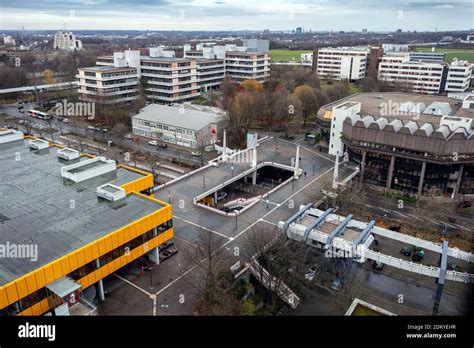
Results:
[39, 114]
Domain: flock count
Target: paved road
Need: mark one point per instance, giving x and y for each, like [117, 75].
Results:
[81, 128]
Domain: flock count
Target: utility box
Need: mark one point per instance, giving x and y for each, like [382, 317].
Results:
[252, 139]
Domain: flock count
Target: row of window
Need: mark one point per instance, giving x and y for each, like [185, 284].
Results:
[83, 271]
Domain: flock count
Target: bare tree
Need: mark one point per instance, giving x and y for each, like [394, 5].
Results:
[212, 279]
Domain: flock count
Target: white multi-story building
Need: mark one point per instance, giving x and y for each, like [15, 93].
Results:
[342, 63]
[185, 125]
[241, 62]
[248, 66]
[459, 76]
[67, 41]
[8, 40]
[307, 58]
[339, 114]
[419, 77]
[170, 80]
[108, 84]
[210, 73]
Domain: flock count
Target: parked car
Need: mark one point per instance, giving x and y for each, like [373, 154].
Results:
[377, 265]
[128, 137]
[196, 153]
[91, 128]
[105, 130]
[153, 143]
[465, 204]
[312, 272]
[66, 120]
[336, 284]
[163, 146]
[221, 195]
[21, 121]
[406, 251]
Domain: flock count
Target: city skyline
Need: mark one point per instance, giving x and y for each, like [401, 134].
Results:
[203, 15]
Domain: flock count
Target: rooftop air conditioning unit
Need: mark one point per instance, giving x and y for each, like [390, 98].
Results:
[68, 154]
[110, 192]
[38, 144]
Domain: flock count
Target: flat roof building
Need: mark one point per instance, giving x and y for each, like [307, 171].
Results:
[66, 41]
[108, 84]
[185, 125]
[402, 144]
[78, 218]
[420, 77]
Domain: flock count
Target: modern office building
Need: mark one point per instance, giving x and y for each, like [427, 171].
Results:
[307, 58]
[427, 57]
[68, 221]
[459, 76]
[417, 144]
[108, 84]
[420, 77]
[186, 125]
[395, 47]
[248, 62]
[170, 80]
[243, 66]
[8, 40]
[210, 74]
[341, 63]
[66, 41]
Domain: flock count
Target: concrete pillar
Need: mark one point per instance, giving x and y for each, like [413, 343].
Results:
[390, 172]
[297, 161]
[154, 255]
[254, 157]
[224, 147]
[362, 166]
[215, 197]
[422, 178]
[335, 178]
[100, 283]
[458, 182]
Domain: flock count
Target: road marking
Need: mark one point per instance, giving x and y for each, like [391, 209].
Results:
[307, 149]
[132, 284]
[242, 232]
[184, 240]
[181, 276]
[272, 210]
[204, 228]
[268, 222]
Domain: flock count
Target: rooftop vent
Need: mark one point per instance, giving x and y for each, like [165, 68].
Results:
[38, 144]
[111, 192]
[68, 154]
[8, 135]
[88, 169]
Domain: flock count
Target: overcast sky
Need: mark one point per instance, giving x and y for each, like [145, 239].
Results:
[377, 15]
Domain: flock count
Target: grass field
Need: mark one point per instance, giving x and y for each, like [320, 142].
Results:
[325, 85]
[286, 55]
[451, 53]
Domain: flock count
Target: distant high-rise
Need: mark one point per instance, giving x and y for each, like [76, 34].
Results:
[299, 31]
[67, 41]
[8, 40]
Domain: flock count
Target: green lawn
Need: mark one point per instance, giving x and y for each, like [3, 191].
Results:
[286, 55]
[451, 53]
[325, 85]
